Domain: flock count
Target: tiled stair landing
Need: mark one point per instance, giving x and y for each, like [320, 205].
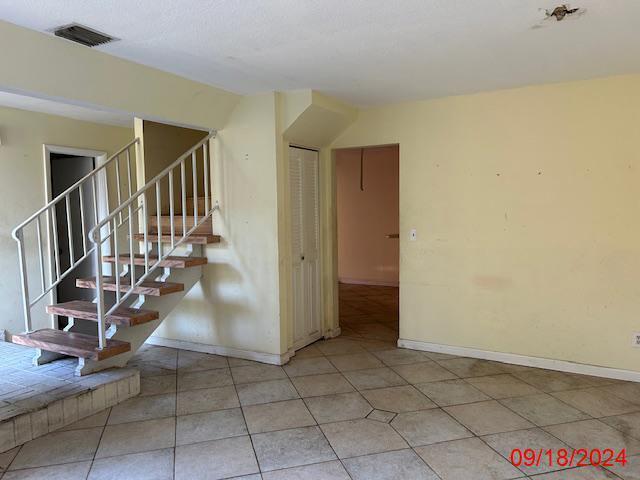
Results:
[37, 400]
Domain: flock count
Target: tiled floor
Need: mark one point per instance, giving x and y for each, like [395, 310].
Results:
[352, 407]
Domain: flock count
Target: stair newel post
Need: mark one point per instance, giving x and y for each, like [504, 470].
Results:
[19, 235]
[205, 168]
[102, 338]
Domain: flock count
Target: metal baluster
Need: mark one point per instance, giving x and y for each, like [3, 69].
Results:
[82, 221]
[145, 231]
[72, 258]
[23, 281]
[128, 157]
[40, 253]
[119, 194]
[159, 219]
[102, 337]
[205, 167]
[171, 211]
[184, 199]
[56, 250]
[194, 168]
[117, 257]
[132, 268]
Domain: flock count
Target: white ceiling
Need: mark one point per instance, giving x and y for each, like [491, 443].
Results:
[364, 51]
[52, 107]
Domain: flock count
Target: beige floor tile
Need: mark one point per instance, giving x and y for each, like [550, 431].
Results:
[400, 356]
[428, 426]
[137, 437]
[629, 424]
[451, 392]
[484, 418]
[583, 473]
[355, 361]
[374, 378]
[137, 409]
[338, 407]
[552, 381]
[325, 384]
[277, 416]
[158, 385]
[194, 361]
[398, 465]
[543, 409]
[630, 471]
[309, 351]
[423, 372]
[535, 439]
[457, 459]
[206, 400]
[299, 367]
[381, 416]
[593, 434]
[398, 399]
[92, 421]
[362, 437]
[291, 448]
[502, 386]
[219, 377]
[202, 427]
[266, 392]
[596, 402]
[257, 373]
[69, 471]
[230, 457]
[627, 391]
[156, 465]
[319, 471]
[58, 447]
[471, 367]
[339, 346]
[7, 457]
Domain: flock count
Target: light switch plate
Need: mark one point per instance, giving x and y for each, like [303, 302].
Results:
[413, 235]
[636, 340]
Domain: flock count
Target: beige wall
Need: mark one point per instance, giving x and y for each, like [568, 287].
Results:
[525, 203]
[236, 303]
[366, 217]
[22, 191]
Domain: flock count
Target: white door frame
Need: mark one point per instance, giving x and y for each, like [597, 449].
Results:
[101, 193]
[321, 306]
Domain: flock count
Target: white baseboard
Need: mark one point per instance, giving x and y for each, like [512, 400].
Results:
[357, 281]
[269, 358]
[537, 362]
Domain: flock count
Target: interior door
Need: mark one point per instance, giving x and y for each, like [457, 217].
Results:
[305, 229]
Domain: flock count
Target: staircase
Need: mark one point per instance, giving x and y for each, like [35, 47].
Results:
[147, 253]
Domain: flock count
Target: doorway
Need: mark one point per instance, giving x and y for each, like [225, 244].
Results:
[305, 233]
[367, 201]
[64, 167]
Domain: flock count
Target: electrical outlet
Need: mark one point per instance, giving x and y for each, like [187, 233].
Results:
[413, 235]
[636, 339]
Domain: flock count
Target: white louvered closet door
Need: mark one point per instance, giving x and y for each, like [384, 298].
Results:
[305, 226]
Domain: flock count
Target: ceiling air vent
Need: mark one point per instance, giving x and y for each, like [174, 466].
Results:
[83, 35]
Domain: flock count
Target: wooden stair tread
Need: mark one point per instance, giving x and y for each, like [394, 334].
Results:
[199, 238]
[153, 288]
[70, 343]
[172, 261]
[89, 311]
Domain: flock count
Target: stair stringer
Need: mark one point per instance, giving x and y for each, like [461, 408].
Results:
[138, 334]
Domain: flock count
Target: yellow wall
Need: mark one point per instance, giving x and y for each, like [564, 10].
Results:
[236, 303]
[526, 204]
[22, 191]
[44, 65]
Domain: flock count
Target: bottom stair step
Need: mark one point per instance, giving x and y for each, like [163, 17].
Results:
[89, 311]
[69, 343]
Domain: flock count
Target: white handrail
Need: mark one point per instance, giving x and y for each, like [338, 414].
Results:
[137, 202]
[49, 213]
